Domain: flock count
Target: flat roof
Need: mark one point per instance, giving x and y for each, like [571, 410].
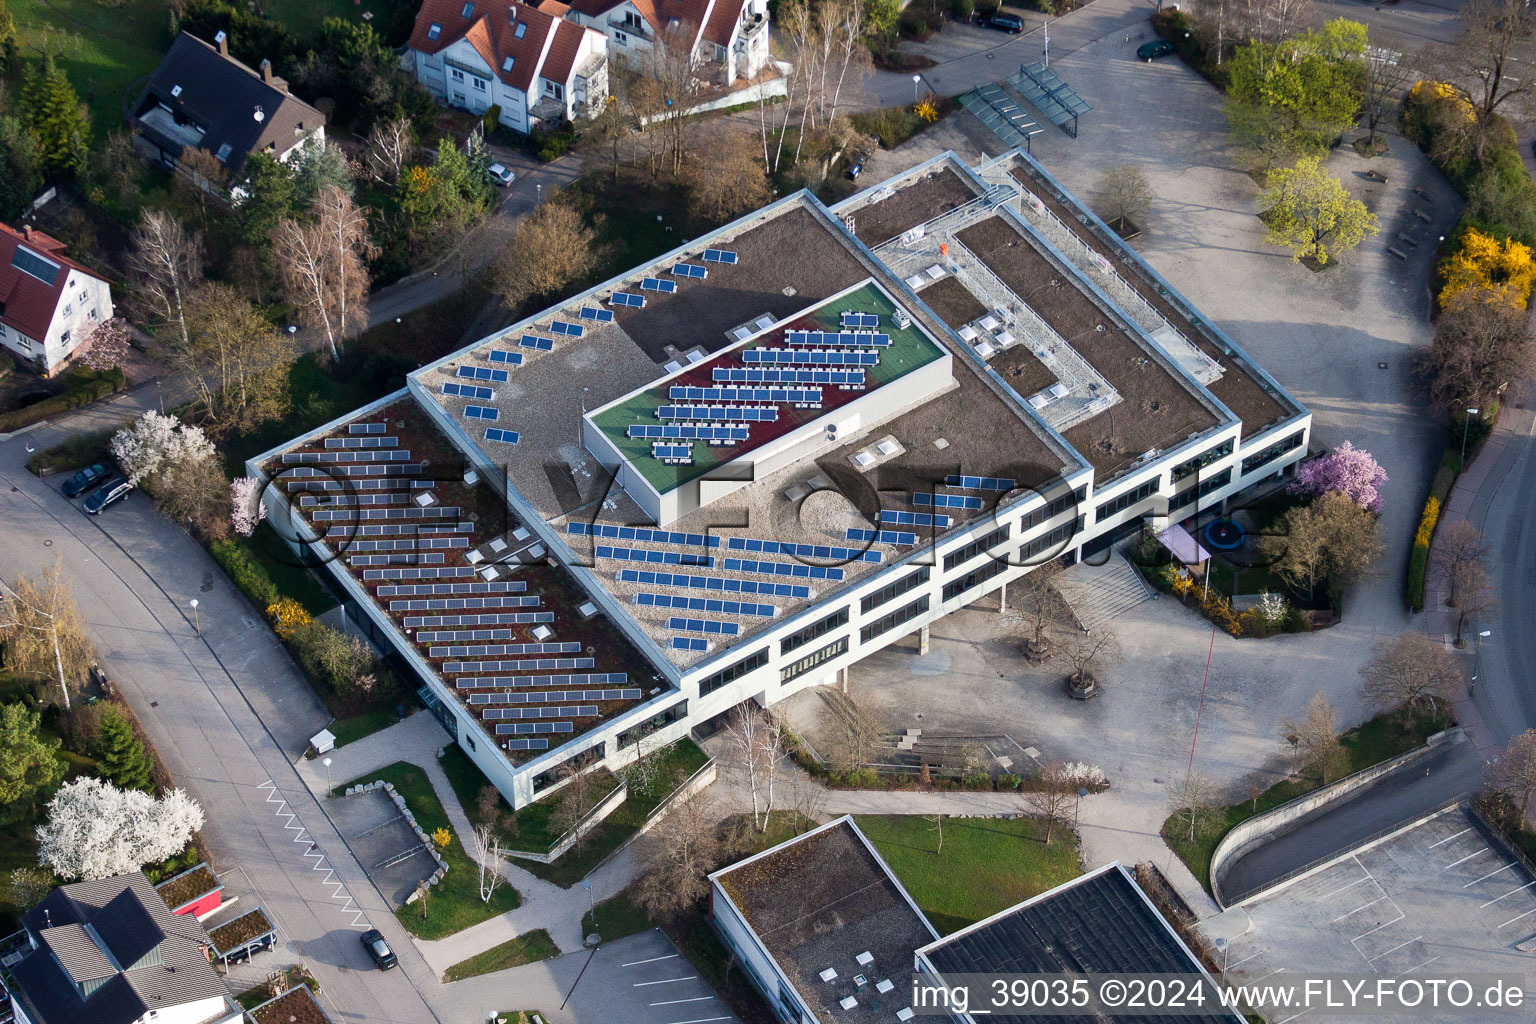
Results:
[821, 901]
[1098, 923]
[910, 349]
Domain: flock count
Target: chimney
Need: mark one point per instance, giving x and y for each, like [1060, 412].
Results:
[222, 41]
[26, 231]
[266, 71]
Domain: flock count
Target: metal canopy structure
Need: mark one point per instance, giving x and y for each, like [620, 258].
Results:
[998, 111]
[1057, 100]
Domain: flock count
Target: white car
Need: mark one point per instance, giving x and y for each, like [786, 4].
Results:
[503, 176]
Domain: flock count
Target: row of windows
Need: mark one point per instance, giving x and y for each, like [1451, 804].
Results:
[802, 665]
[886, 623]
[731, 673]
[803, 636]
[1126, 500]
[1191, 494]
[974, 578]
[1029, 553]
[1051, 510]
[891, 591]
[1271, 453]
[977, 546]
[629, 737]
[1202, 460]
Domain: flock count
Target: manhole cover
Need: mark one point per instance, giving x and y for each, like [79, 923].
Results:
[47, 543]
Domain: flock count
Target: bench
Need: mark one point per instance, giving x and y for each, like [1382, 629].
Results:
[1398, 253]
[1376, 176]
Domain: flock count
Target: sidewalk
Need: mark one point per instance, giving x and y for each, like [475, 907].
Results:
[417, 740]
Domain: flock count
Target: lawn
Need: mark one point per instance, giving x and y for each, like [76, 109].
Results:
[525, 949]
[106, 51]
[350, 730]
[1380, 739]
[987, 864]
[454, 903]
[536, 830]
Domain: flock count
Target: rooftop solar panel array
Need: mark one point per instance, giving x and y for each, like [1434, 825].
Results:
[642, 533]
[455, 668]
[648, 578]
[688, 432]
[689, 643]
[914, 519]
[410, 544]
[484, 373]
[439, 589]
[468, 391]
[602, 316]
[555, 711]
[566, 328]
[362, 442]
[497, 355]
[579, 679]
[711, 626]
[504, 436]
[676, 454]
[755, 375]
[654, 557]
[795, 570]
[838, 339]
[850, 318]
[548, 696]
[882, 536]
[532, 728]
[533, 341]
[460, 604]
[501, 651]
[657, 284]
[481, 412]
[627, 299]
[340, 500]
[794, 396]
[810, 357]
[367, 428]
[491, 619]
[691, 270]
[980, 483]
[706, 604]
[725, 256]
[822, 551]
[447, 572]
[345, 458]
[397, 558]
[526, 744]
[947, 501]
[720, 413]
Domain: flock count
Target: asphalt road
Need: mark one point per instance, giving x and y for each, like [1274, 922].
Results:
[203, 690]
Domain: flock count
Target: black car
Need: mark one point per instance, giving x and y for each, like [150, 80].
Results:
[1153, 50]
[115, 489]
[87, 478]
[383, 956]
[1004, 23]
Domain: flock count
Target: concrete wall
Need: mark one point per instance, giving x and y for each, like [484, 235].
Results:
[756, 960]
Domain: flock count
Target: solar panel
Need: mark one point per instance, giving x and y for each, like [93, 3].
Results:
[653, 557]
[367, 428]
[947, 501]
[535, 744]
[462, 604]
[498, 434]
[669, 579]
[711, 626]
[627, 299]
[838, 339]
[481, 412]
[677, 454]
[692, 270]
[497, 355]
[566, 328]
[495, 619]
[29, 262]
[822, 551]
[642, 533]
[552, 696]
[468, 391]
[748, 413]
[483, 373]
[882, 536]
[688, 431]
[425, 589]
[810, 357]
[856, 320]
[534, 341]
[446, 572]
[361, 442]
[689, 643]
[656, 284]
[914, 518]
[757, 375]
[561, 711]
[797, 570]
[529, 728]
[455, 668]
[706, 604]
[795, 396]
[979, 483]
[602, 316]
[725, 256]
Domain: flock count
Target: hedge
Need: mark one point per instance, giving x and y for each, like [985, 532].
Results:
[85, 387]
[245, 572]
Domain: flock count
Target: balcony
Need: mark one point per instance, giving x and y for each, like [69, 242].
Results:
[637, 29]
[753, 25]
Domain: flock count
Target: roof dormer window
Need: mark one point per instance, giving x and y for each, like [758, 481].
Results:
[506, 65]
[434, 30]
[469, 9]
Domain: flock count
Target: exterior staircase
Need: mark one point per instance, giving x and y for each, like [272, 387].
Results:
[1098, 593]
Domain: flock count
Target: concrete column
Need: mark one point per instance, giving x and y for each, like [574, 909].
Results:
[922, 641]
[842, 678]
[1002, 598]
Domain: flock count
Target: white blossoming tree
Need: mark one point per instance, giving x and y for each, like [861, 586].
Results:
[245, 507]
[156, 442]
[95, 830]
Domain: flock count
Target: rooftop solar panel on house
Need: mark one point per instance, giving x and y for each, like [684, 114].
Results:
[481, 412]
[713, 605]
[602, 316]
[566, 328]
[627, 299]
[40, 267]
[504, 436]
[622, 554]
[497, 355]
[710, 626]
[656, 284]
[367, 428]
[468, 391]
[725, 256]
[690, 270]
[821, 551]
[535, 342]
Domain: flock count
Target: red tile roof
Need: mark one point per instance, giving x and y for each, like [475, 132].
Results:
[27, 303]
[722, 21]
[490, 30]
[658, 13]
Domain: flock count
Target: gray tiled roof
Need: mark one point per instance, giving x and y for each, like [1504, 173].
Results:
[77, 952]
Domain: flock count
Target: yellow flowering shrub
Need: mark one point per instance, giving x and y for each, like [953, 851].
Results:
[1482, 261]
[926, 110]
[288, 617]
[1427, 522]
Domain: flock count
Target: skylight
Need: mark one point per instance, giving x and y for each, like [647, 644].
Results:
[506, 65]
[522, 27]
[434, 31]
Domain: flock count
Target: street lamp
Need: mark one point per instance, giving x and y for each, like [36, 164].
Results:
[538, 191]
[1477, 658]
[196, 622]
[327, 762]
[1466, 424]
[916, 87]
[1082, 791]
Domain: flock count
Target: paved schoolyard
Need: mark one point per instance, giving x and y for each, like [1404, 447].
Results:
[1436, 899]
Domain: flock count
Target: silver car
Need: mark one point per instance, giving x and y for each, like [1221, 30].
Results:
[503, 175]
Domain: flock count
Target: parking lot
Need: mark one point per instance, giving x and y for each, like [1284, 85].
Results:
[382, 842]
[1437, 899]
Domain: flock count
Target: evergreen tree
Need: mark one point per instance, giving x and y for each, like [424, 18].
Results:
[120, 757]
[57, 120]
[269, 188]
[19, 178]
[29, 762]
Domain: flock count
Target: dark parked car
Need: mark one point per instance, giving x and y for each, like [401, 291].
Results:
[1153, 50]
[1004, 23]
[377, 948]
[87, 478]
[115, 489]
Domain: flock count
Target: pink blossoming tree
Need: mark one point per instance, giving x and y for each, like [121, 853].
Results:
[1348, 470]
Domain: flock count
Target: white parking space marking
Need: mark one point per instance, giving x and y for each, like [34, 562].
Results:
[1464, 859]
[673, 1002]
[1507, 895]
[1416, 967]
[1449, 838]
[1395, 948]
[1341, 888]
[699, 1020]
[1490, 874]
[632, 963]
[1512, 920]
[1357, 910]
[665, 981]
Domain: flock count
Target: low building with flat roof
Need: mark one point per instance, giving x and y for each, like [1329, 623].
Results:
[735, 471]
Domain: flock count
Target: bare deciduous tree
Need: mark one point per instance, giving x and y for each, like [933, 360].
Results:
[550, 250]
[731, 181]
[1410, 670]
[167, 263]
[1054, 793]
[322, 268]
[1044, 610]
[43, 629]
[1482, 341]
[1085, 651]
[677, 69]
[487, 855]
[389, 148]
[488, 811]
[1125, 196]
[938, 827]
[203, 179]
[1315, 739]
[1387, 74]
[1193, 797]
[1513, 772]
[574, 802]
[1462, 560]
[687, 846]
[862, 741]
[234, 358]
[1482, 63]
[752, 738]
[1331, 539]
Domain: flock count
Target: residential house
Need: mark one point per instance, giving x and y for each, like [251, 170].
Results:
[49, 303]
[111, 952]
[729, 37]
[528, 61]
[201, 97]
